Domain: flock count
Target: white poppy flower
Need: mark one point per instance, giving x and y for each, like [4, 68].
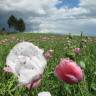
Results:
[27, 62]
[44, 94]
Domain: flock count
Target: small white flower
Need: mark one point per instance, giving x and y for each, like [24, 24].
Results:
[26, 61]
[44, 94]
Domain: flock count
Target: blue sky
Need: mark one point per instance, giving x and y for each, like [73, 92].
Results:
[68, 3]
[54, 16]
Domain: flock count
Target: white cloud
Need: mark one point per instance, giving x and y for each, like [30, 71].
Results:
[43, 16]
[69, 26]
[26, 5]
[89, 5]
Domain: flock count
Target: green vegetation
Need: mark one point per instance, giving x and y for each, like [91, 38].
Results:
[63, 47]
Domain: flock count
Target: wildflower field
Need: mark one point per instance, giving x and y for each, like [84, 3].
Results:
[63, 47]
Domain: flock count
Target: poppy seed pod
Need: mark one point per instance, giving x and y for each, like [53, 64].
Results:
[69, 71]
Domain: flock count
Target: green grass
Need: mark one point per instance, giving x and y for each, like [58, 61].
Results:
[63, 47]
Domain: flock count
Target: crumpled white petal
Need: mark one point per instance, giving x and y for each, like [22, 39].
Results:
[44, 94]
[27, 61]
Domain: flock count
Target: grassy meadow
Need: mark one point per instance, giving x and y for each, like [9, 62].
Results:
[63, 48]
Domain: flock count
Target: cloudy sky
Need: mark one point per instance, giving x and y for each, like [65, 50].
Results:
[54, 16]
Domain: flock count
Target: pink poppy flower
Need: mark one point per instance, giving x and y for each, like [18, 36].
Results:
[69, 71]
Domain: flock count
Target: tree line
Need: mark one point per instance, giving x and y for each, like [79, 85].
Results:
[16, 24]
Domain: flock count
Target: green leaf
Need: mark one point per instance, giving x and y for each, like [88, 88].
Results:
[82, 64]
